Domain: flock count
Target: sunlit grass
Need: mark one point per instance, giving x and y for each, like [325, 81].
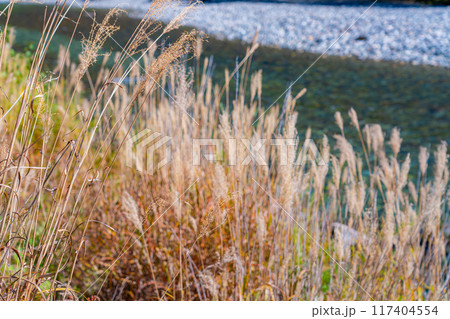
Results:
[77, 222]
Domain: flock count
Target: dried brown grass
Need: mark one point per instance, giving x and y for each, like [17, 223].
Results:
[76, 221]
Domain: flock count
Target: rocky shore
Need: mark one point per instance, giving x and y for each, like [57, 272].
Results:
[415, 34]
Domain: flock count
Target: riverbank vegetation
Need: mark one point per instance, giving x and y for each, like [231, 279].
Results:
[410, 97]
[80, 220]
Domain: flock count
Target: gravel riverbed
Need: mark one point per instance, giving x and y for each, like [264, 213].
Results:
[416, 34]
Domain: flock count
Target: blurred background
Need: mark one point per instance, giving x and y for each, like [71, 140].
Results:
[389, 60]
